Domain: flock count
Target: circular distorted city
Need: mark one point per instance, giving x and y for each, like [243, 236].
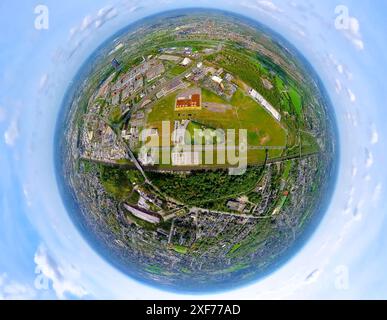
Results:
[196, 150]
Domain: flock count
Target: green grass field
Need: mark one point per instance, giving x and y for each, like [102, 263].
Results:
[245, 113]
[115, 115]
[180, 249]
[242, 112]
[234, 248]
[296, 100]
[309, 143]
[208, 96]
[288, 167]
[177, 70]
[192, 127]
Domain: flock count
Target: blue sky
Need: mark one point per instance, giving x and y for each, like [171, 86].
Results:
[42, 255]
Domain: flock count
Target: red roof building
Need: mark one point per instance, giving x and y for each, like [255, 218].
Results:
[192, 101]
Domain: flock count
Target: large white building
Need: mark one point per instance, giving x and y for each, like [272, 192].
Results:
[256, 96]
[217, 79]
[147, 216]
[186, 62]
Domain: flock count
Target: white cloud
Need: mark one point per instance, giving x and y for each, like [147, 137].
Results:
[93, 21]
[342, 69]
[353, 33]
[43, 82]
[12, 132]
[359, 44]
[374, 135]
[351, 95]
[73, 31]
[263, 5]
[78, 34]
[133, 8]
[298, 30]
[369, 159]
[377, 193]
[268, 5]
[63, 278]
[86, 23]
[104, 15]
[12, 290]
[104, 11]
[27, 195]
[354, 26]
[338, 86]
[98, 23]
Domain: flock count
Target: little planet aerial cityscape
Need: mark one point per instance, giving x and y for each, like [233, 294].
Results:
[196, 150]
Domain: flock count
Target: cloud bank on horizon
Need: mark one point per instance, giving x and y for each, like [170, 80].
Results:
[43, 255]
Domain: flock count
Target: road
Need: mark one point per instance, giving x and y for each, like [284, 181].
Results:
[216, 147]
[246, 216]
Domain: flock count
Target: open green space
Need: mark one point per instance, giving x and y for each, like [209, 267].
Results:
[115, 115]
[141, 223]
[180, 249]
[248, 69]
[177, 70]
[209, 96]
[117, 182]
[193, 127]
[288, 166]
[309, 143]
[241, 113]
[234, 248]
[296, 100]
